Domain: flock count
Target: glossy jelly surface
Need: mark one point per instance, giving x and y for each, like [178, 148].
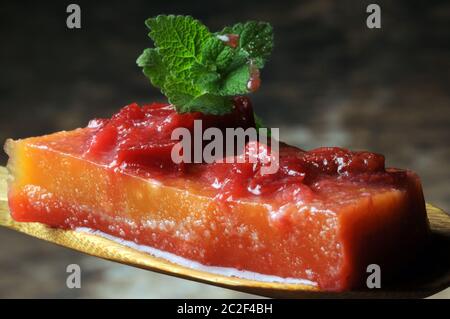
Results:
[323, 216]
[138, 139]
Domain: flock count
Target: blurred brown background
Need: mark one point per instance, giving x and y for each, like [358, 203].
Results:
[330, 81]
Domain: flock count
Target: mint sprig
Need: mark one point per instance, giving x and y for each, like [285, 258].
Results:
[196, 69]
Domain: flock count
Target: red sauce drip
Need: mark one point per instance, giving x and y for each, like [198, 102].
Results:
[232, 40]
[255, 80]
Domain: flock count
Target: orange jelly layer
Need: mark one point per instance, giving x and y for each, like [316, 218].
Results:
[325, 229]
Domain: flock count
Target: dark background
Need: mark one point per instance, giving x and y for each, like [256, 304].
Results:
[330, 81]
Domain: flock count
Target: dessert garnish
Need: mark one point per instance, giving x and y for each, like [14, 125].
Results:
[202, 71]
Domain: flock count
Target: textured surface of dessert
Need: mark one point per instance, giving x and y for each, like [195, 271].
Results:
[53, 183]
[432, 272]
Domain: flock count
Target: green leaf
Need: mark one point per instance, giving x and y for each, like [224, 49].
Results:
[255, 38]
[195, 69]
[178, 38]
[227, 70]
[259, 123]
[235, 82]
[151, 62]
[211, 104]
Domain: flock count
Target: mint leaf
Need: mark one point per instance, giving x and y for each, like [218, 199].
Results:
[259, 123]
[230, 68]
[153, 67]
[195, 69]
[179, 40]
[255, 38]
[236, 81]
